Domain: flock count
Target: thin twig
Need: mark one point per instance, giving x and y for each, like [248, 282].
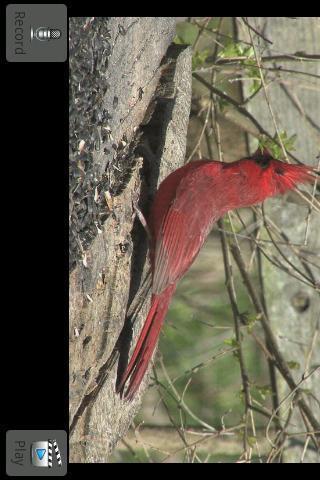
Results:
[243, 111]
[280, 361]
[250, 27]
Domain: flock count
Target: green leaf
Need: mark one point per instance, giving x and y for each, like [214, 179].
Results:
[232, 49]
[307, 391]
[249, 52]
[252, 441]
[250, 320]
[236, 49]
[293, 365]
[252, 71]
[187, 32]
[276, 150]
[232, 342]
[263, 391]
[178, 40]
[214, 22]
[199, 59]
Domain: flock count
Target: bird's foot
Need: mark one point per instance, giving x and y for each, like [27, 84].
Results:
[141, 217]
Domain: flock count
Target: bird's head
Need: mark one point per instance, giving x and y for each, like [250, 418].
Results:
[263, 176]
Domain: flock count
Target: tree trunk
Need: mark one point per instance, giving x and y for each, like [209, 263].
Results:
[293, 307]
[122, 75]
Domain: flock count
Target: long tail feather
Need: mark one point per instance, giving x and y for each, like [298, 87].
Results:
[146, 343]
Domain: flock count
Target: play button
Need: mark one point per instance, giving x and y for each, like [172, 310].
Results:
[40, 453]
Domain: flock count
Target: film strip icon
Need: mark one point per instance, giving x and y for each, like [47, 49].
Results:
[56, 451]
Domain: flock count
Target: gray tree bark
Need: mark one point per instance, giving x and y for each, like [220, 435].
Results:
[148, 84]
[293, 307]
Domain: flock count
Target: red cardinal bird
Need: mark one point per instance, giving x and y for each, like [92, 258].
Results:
[185, 207]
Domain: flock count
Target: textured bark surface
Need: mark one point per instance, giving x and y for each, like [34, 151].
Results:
[114, 71]
[103, 287]
[294, 308]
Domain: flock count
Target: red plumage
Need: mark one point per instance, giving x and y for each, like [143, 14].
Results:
[185, 207]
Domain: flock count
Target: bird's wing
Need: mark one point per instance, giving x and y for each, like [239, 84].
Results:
[184, 229]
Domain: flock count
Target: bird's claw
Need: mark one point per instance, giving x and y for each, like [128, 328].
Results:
[141, 217]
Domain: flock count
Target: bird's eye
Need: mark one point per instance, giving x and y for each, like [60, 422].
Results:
[263, 161]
